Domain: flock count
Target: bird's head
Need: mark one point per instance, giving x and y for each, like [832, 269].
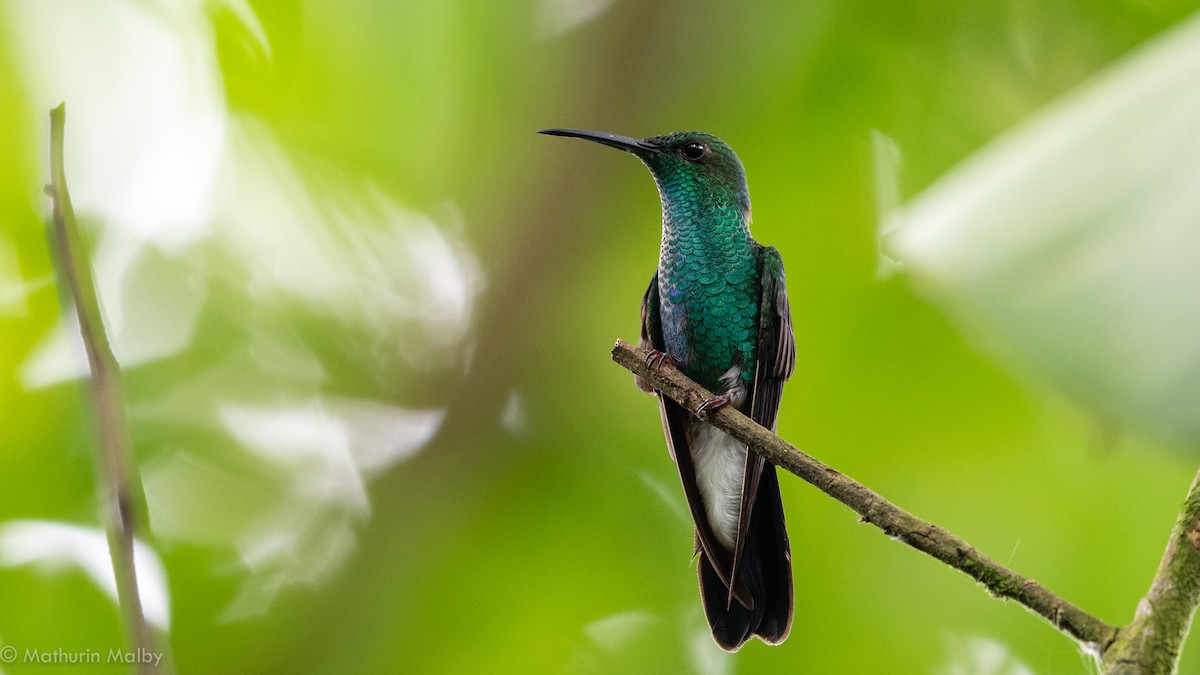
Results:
[693, 169]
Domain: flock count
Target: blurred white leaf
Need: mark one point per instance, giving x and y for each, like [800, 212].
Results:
[514, 417]
[347, 250]
[145, 136]
[614, 633]
[145, 107]
[13, 287]
[200, 217]
[245, 13]
[1073, 241]
[321, 452]
[560, 16]
[981, 656]
[55, 547]
[151, 305]
[705, 656]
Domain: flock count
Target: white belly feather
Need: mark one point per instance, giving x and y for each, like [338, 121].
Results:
[720, 462]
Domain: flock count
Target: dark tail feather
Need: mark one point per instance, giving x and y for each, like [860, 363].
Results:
[775, 560]
[731, 625]
[765, 569]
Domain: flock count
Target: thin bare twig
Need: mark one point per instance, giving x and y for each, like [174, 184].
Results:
[116, 469]
[1094, 635]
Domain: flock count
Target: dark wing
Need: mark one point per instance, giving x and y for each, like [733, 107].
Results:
[776, 342]
[650, 336]
[677, 421]
[764, 527]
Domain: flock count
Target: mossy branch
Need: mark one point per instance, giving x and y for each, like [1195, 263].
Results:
[116, 470]
[1154, 641]
[1093, 635]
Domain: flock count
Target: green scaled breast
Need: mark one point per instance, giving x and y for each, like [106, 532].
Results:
[709, 293]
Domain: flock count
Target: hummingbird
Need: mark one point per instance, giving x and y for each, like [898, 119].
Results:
[717, 308]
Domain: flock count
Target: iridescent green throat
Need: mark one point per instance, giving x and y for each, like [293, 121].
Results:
[708, 267]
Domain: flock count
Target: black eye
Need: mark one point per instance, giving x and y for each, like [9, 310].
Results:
[694, 151]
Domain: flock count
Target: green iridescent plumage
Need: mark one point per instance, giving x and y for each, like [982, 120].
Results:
[708, 261]
[717, 307]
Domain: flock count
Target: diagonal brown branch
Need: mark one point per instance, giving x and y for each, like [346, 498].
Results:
[1094, 635]
[116, 468]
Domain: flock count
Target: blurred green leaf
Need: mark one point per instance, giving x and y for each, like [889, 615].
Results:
[1072, 241]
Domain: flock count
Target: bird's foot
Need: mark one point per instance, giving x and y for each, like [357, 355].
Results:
[655, 359]
[712, 405]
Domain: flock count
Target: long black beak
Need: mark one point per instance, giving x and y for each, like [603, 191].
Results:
[625, 143]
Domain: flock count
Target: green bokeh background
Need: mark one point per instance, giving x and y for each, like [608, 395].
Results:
[494, 550]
